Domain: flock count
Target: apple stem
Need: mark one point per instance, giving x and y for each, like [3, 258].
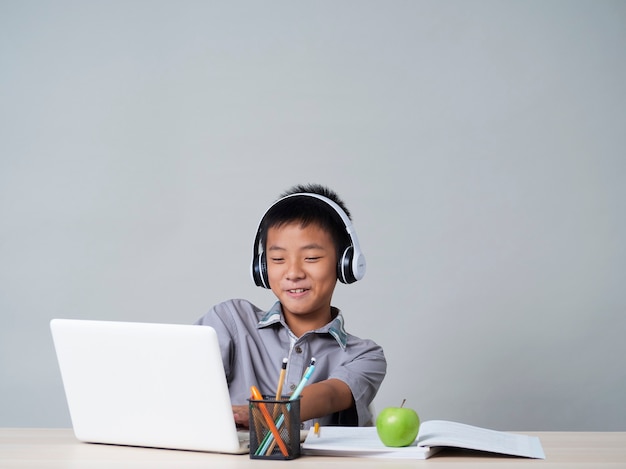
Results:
[403, 401]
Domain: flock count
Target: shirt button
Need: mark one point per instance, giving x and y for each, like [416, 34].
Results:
[298, 349]
[293, 387]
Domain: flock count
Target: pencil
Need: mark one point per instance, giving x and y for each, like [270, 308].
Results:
[277, 407]
[281, 379]
[305, 379]
[259, 423]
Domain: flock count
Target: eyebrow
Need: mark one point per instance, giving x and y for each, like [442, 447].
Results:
[303, 248]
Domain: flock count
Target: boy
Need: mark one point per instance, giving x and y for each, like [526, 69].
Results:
[304, 244]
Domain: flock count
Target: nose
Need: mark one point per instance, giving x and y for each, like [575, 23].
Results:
[294, 270]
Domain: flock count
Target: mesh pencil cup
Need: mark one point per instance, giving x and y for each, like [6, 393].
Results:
[274, 428]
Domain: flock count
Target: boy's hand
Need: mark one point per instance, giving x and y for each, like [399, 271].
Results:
[241, 413]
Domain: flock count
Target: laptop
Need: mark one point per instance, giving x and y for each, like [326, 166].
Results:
[146, 384]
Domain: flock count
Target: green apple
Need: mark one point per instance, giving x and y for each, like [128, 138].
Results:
[397, 426]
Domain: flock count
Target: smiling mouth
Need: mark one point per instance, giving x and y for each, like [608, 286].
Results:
[297, 290]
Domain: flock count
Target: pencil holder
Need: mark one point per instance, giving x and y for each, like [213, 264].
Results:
[274, 428]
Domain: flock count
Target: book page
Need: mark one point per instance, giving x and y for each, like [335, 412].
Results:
[358, 442]
[453, 434]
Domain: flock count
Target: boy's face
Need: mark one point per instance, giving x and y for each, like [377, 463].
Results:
[301, 266]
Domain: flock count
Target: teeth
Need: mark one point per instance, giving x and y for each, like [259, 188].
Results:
[297, 290]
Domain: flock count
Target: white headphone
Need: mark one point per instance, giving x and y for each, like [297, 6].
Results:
[350, 266]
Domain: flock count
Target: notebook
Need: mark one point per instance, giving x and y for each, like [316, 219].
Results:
[146, 384]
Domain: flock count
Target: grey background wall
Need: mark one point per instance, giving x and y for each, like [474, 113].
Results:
[479, 145]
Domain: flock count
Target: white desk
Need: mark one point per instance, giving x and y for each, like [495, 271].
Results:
[25, 448]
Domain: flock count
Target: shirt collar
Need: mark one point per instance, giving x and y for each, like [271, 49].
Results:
[273, 316]
[334, 327]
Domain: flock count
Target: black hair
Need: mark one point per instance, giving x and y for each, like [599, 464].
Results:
[319, 190]
[306, 210]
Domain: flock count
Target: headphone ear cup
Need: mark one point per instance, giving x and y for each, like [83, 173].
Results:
[259, 271]
[344, 268]
[264, 274]
[255, 271]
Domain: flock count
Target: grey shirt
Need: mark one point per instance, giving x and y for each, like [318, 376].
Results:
[254, 342]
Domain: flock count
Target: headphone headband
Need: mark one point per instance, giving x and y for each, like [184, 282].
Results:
[350, 267]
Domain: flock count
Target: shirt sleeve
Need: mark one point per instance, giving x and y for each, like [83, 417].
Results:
[364, 374]
[224, 327]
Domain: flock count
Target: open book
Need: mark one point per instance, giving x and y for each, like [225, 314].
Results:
[432, 437]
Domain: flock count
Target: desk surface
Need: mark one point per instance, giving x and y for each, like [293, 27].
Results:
[25, 448]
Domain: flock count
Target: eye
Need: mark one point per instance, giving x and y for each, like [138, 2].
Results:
[313, 258]
[277, 260]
